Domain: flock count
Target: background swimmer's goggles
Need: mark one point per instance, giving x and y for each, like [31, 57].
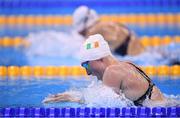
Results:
[86, 66]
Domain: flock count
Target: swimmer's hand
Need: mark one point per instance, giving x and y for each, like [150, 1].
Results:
[61, 97]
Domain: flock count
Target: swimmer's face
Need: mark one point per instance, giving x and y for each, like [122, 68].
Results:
[93, 67]
[96, 67]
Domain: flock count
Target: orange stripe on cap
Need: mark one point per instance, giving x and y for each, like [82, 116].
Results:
[96, 44]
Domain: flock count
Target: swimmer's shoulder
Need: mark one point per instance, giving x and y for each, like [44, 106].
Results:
[117, 69]
[116, 73]
[121, 67]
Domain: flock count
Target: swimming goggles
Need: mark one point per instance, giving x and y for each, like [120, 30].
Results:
[86, 66]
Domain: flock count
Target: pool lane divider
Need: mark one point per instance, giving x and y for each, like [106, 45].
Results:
[146, 41]
[155, 41]
[13, 42]
[76, 71]
[140, 19]
[92, 112]
[38, 71]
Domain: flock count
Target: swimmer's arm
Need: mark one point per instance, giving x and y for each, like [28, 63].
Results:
[112, 78]
[62, 97]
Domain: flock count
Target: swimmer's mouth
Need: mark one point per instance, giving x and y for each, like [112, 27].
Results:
[88, 72]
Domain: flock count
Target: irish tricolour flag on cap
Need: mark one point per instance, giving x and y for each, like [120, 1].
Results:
[92, 45]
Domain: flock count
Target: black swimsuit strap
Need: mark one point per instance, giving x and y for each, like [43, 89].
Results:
[139, 101]
[122, 49]
[142, 73]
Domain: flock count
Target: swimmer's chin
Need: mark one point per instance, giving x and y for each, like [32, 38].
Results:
[92, 74]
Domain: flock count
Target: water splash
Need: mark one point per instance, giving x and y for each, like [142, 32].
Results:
[99, 95]
[169, 102]
[172, 100]
[163, 55]
[54, 43]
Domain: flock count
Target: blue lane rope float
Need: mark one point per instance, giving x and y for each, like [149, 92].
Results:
[91, 112]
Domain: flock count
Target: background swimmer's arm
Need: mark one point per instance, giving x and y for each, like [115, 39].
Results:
[135, 47]
[64, 97]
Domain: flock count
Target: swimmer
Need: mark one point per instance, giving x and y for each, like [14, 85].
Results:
[120, 39]
[126, 77]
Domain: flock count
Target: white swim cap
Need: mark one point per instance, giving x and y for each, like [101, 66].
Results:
[83, 17]
[95, 47]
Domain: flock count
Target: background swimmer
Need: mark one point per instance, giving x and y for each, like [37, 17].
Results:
[54, 43]
[120, 39]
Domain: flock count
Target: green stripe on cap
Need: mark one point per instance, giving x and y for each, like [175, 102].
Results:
[88, 46]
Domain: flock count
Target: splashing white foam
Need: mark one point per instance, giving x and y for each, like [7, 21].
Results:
[103, 96]
[53, 43]
[156, 56]
[172, 100]
[169, 101]
[99, 95]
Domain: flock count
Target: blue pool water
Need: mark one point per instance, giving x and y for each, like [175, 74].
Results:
[158, 30]
[30, 93]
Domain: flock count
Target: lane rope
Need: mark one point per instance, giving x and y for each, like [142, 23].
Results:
[140, 19]
[36, 71]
